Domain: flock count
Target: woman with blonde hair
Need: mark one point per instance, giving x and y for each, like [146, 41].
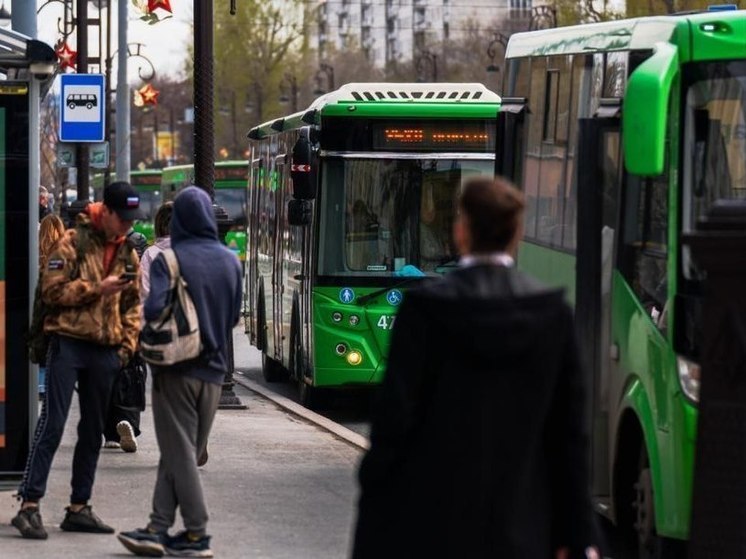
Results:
[51, 229]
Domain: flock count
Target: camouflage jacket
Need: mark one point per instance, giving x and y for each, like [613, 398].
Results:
[71, 288]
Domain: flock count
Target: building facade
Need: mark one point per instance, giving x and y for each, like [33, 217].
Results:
[391, 31]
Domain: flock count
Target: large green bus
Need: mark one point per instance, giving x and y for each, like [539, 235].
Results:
[147, 182]
[621, 135]
[231, 194]
[351, 200]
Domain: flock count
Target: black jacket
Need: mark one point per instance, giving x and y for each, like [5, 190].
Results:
[479, 442]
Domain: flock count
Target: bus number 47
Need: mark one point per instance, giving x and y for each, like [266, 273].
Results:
[386, 322]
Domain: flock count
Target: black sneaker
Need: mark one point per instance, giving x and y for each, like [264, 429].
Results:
[85, 520]
[28, 521]
[143, 542]
[181, 545]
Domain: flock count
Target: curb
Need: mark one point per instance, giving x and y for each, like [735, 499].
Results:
[347, 435]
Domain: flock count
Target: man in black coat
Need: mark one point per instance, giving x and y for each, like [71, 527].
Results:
[480, 441]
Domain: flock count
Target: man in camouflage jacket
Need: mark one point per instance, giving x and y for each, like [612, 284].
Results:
[90, 284]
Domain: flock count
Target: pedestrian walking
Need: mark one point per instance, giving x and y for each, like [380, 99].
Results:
[93, 321]
[51, 230]
[44, 209]
[479, 443]
[122, 425]
[161, 226]
[185, 396]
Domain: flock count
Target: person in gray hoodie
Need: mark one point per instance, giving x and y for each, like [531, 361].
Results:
[185, 396]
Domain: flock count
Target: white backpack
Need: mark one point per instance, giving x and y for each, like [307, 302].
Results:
[174, 336]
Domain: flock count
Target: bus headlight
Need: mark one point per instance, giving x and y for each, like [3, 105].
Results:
[354, 320]
[689, 377]
[337, 316]
[354, 357]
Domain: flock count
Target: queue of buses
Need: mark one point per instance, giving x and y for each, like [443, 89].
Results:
[621, 135]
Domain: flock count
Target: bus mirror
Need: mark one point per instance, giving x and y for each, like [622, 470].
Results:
[299, 212]
[645, 111]
[301, 171]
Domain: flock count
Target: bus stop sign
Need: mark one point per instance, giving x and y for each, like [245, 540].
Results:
[82, 102]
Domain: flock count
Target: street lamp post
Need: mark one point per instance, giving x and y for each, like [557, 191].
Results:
[324, 73]
[499, 40]
[289, 82]
[204, 151]
[426, 60]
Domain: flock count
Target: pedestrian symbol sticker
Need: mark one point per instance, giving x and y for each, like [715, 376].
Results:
[82, 103]
[394, 297]
[346, 295]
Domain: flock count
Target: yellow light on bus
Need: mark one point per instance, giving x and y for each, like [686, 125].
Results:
[354, 358]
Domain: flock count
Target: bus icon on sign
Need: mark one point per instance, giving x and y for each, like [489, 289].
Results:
[86, 100]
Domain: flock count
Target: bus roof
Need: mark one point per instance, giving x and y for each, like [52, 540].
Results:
[628, 34]
[390, 99]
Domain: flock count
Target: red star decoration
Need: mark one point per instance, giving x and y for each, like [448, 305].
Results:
[162, 4]
[149, 94]
[67, 56]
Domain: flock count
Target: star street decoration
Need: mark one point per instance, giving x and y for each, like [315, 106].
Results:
[67, 56]
[146, 95]
[162, 4]
[147, 9]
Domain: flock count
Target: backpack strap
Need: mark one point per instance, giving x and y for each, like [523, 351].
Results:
[173, 267]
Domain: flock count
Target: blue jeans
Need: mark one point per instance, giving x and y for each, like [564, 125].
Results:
[94, 368]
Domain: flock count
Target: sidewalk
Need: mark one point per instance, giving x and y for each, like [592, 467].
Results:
[277, 487]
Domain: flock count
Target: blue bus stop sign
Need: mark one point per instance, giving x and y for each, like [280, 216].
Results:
[82, 101]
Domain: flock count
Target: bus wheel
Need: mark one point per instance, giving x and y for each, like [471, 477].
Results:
[650, 544]
[310, 396]
[271, 370]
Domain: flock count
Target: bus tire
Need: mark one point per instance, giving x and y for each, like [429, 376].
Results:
[310, 396]
[649, 544]
[272, 371]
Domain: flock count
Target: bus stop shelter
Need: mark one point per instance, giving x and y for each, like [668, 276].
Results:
[27, 67]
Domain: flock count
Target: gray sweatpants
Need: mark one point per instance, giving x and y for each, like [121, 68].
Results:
[183, 412]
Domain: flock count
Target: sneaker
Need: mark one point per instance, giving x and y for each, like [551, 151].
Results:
[144, 542]
[85, 520]
[112, 444]
[28, 521]
[182, 545]
[126, 436]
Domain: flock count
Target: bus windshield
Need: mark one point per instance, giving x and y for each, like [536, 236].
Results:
[391, 216]
[234, 201]
[714, 140]
[150, 200]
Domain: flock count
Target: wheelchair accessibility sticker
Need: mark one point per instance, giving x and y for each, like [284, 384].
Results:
[394, 297]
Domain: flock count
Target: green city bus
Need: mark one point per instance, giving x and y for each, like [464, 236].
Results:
[350, 201]
[148, 184]
[230, 193]
[621, 135]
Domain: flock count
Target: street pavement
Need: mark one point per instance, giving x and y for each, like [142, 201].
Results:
[280, 484]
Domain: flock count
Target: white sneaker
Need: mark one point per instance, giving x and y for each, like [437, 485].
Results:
[127, 440]
[111, 444]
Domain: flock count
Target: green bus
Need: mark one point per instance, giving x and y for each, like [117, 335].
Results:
[231, 178]
[621, 135]
[147, 182]
[350, 200]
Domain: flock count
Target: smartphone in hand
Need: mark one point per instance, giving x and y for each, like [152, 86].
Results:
[128, 276]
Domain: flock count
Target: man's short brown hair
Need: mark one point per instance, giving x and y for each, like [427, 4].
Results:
[493, 208]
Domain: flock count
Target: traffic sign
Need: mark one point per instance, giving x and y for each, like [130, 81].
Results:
[82, 115]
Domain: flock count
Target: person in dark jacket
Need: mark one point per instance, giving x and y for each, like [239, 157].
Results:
[185, 396]
[122, 426]
[479, 441]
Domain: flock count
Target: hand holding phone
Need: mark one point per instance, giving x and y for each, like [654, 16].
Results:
[128, 276]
